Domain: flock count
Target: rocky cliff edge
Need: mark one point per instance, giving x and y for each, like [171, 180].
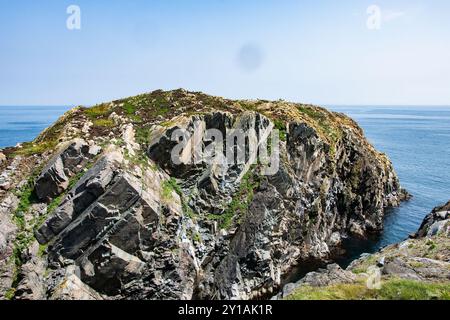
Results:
[95, 209]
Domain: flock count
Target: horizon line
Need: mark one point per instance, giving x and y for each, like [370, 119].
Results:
[314, 104]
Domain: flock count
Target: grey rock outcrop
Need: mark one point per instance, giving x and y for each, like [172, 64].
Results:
[32, 286]
[54, 178]
[72, 288]
[84, 193]
[424, 258]
[132, 224]
[8, 232]
[332, 274]
[435, 222]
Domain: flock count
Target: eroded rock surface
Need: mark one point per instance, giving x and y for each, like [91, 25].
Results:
[125, 222]
[435, 222]
[54, 178]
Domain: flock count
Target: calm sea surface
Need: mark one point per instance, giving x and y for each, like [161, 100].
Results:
[416, 139]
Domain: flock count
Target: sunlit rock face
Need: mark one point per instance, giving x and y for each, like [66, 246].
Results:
[104, 212]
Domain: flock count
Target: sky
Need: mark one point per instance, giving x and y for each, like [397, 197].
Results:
[320, 52]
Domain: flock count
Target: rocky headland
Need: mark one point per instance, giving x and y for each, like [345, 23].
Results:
[95, 209]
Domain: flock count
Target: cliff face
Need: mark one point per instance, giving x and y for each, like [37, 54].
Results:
[417, 268]
[95, 208]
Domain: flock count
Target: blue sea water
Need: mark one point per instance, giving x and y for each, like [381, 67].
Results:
[416, 139]
[20, 124]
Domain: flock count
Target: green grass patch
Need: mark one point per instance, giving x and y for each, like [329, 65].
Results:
[160, 105]
[27, 197]
[129, 108]
[281, 127]
[391, 289]
[143, 135]
[196, 237]
[240, 202]
[104, 123]
[168, 187]
[42, 249]
[431, 244]
[327, 127]
[97, 111]
[32, 148]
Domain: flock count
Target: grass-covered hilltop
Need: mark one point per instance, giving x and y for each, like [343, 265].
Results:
[160, 107]
[94, 208]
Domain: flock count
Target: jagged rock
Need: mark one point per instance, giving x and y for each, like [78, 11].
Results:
[333, 274]
[435, 222]
[138, 226]
[54, 178]
[72, 288]
[93, 184]
[425, 259]
[2, 158]
[109, 225]
[32, 286]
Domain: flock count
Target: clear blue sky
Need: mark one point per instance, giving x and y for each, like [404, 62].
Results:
[310, 51]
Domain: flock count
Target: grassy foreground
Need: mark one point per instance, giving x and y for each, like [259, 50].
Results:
[392, 289]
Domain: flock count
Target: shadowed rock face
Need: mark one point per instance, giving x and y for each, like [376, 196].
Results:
[137, 226]
[54, 179]
[435, 222]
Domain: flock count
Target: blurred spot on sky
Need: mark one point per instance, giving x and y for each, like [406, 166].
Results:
[250, 57]
[318, 52]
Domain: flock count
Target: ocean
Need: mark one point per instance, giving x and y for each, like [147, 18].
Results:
[416, 139]
[19, 124]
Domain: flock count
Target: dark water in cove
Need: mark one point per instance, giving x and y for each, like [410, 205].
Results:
[416, 139]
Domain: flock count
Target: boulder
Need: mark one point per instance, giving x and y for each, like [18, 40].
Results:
[435, 222]
[72, 288]
[55, 177]
[2, 158]
[332, 274]
[93, 184]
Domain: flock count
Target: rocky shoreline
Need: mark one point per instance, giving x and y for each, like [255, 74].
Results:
[421, 262]
[95, 209]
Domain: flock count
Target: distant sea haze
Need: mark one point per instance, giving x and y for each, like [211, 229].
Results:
[20, 124]
[416, 139]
